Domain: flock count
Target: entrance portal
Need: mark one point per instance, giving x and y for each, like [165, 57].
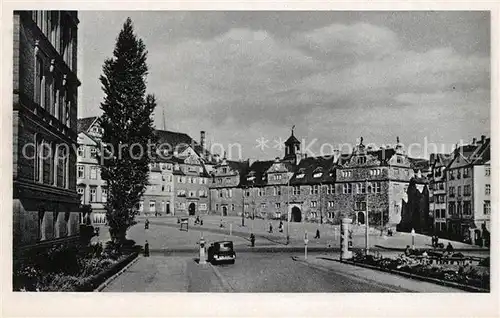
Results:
[192, 208]
[361, 217]
[224, 211]
[296, 214]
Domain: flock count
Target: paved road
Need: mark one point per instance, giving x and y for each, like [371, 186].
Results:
[260, 272]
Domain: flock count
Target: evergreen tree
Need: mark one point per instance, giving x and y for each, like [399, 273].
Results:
[128, 132]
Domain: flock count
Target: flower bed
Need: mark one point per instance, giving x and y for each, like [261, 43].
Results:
[468, 275]
[68, 268]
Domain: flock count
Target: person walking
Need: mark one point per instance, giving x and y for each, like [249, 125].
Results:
[252, 239]
[146, 224]
[146, 249]
[280, 227]
[317, 234]
[270, 227]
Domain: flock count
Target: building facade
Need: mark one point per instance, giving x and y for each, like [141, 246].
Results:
[469, 190]
[45, 201]
[325, 189]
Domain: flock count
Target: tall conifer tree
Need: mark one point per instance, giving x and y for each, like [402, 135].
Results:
[128, 132]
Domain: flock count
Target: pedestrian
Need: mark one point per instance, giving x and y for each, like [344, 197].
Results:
[146, 224]
[449, 248]
[252, 239]
[317, 234]
[146, 249]
[281, 226]
[201, 221]
[270, 227]
[407, 250]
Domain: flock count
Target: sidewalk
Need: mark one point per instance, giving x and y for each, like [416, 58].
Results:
[384, 279]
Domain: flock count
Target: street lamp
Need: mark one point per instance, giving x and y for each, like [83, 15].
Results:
[412, 239]
[243, 209]
[287, 211]
[366, 218]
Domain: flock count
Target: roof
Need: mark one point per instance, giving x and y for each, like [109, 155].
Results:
[482, 154]
[383, 155]
[314, 165]
[419, 163]
[84, 124]
[292, 140]
[258, 169]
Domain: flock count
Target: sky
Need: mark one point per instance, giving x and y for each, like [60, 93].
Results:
[246, 78]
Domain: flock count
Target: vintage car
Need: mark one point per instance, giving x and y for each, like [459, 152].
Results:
[220, 252]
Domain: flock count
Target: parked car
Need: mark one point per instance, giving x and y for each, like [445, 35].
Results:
[220, 252]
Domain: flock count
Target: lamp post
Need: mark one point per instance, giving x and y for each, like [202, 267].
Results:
[243, 209]
[412, 239]
[366, 219]
[288, 212]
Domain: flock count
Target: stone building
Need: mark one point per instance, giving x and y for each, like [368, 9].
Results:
[91, 188]
[45, 84]
[226, 187]
[469, 192]
[437, 192]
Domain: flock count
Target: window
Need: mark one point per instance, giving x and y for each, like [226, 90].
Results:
[487, 189]
[93, 173]
[81, 151]
[314, 204]
[93, 152]
[262, 206]
[361, 188]
[81, 172]
[467, 189]
[104, 195]
[192, 194]
[346, 174]
[459, 173]
[277, 205]
[216, 207]
[451, 208]
[39, 82]
[300, 176]
[181, 193]
[141, 206]
[246, 206]
[466, 172]
[314, 189]
[203, 206]
[360, 206]
[180, 179]
[452, 191]
[451, 174]
[152, 206]
[376, 186]
[487, 207]
[396, 171]
[232, 207]
[230, 193]
[331, 215]
[361, 160]
[467, 208]
[81, 192]
[441, 186]
[330, 189]
[459, 191]
[224, 170]
[399, 159]
[487, 171]
[347, 188]
[93, 196]
[330, 204]
[296, 190]
[375, 172]
[220, 193]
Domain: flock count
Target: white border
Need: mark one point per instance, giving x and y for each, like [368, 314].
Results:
[236, 305]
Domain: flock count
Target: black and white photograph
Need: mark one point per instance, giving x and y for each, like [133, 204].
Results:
[252, 151]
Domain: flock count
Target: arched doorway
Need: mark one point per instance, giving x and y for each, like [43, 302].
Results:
[224, 211]
[296, 214]
[192, 209]
[361, 217]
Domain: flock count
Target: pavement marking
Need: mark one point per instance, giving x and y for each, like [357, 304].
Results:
[225, 284]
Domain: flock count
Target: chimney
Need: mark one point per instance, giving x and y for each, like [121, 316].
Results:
[483, 137]
[202, 139]
[473, 141]
[277, 159]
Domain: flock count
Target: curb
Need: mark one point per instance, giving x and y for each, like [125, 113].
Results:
[225, 284]
[400, 249]
[262, 249]
[414, 276]
[112, 278]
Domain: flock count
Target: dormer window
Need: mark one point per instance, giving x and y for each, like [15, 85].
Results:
[361, 160]
[250, 178]
[300, 176]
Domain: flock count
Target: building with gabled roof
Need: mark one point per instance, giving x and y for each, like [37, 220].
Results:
[468, 196]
